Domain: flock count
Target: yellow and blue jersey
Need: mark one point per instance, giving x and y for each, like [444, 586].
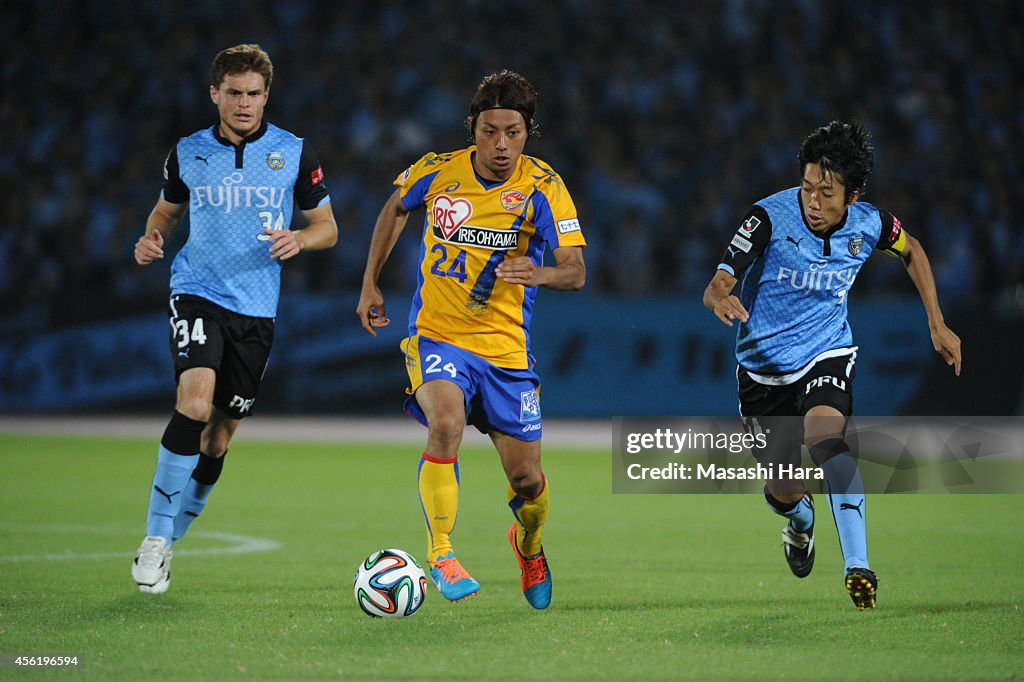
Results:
[471, 225]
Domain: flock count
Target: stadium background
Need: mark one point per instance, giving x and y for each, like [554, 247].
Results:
[665, 121]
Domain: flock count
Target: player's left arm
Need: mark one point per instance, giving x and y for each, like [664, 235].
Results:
[321, 231]
[899, 242]
[557, 223]
[568, 274]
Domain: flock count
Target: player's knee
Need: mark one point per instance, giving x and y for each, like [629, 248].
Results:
[215, 443]
[447, 429]
[195, 408]
[825, 448]
[526, 481]
[786, 489]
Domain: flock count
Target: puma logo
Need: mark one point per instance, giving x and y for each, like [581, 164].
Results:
[203, 159]
[853, 507]
[162, 492]
[796, 242]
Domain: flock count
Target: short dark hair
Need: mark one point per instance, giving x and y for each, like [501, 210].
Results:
[842, 149]
[240, 59]
[505, 90]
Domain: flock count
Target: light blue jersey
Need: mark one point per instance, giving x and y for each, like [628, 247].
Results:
[234, 193]
[794, 282]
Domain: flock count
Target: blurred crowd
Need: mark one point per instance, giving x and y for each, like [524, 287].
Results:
[666, 120]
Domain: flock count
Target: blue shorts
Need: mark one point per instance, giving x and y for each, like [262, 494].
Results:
[497, 399]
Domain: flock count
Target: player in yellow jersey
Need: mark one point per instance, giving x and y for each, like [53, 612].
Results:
[490, 214]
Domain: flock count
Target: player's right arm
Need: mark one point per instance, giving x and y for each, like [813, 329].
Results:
[719, 299]
[166, 215]
[390, 223]
[749, 242]
[163, 219]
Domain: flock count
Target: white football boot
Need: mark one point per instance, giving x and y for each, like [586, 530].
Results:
[151, 568]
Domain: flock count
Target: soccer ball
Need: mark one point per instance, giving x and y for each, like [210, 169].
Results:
[390, 584]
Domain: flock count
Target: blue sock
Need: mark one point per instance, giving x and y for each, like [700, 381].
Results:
[199, 487]
[799, 513]
[849, 508]
[193, 501]
[169, 481]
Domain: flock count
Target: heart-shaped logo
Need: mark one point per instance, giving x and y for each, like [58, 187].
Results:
[450, 214]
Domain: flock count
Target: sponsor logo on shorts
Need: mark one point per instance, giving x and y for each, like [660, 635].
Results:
[243, 404]
[567, 226]
[820, 382]
[742, 243]
[529, 406]
[531, 427]
[275, 160]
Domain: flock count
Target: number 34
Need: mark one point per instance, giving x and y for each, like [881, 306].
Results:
[434, 365]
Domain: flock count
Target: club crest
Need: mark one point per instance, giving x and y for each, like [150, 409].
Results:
[854, 244]
[275, 160]
[512, 200]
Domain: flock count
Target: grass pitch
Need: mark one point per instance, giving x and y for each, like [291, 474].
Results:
[645, 586]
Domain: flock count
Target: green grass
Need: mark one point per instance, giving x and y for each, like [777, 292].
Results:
[646, 586]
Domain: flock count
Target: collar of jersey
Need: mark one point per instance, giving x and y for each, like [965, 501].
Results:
[260, 132]
[484, 182]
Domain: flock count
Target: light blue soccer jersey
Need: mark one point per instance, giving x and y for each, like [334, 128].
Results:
[794, 282]
[234, 193]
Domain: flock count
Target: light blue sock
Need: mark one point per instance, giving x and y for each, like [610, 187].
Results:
[173, 472]
[801, 516]
[193, 501]
[849, 508]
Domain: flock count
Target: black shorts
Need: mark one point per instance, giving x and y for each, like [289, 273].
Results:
[237, 347]
[779, 410]
[829, 382]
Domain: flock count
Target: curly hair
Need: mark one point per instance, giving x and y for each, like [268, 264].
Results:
[240, 59]
[842, 149]
[505, 90]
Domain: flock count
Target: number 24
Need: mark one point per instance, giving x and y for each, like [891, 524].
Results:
[434, 365]
[457, 269]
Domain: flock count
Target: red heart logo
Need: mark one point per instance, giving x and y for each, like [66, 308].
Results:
[450, 215]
